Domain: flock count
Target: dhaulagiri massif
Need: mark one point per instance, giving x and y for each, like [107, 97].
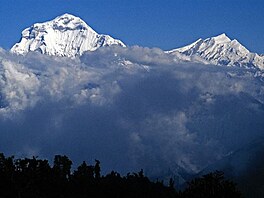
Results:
[65, 88]
[70, 36]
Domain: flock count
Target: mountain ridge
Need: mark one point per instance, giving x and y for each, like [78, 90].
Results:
[221, 50]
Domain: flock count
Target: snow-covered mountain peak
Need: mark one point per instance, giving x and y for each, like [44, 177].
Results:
[221, 50]
[66, 18]
[222, 38]
[235, 44]
[66, 35]
[68, 21]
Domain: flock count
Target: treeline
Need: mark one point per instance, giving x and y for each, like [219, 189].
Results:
[35, 178]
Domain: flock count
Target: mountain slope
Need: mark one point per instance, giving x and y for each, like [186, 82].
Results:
[66, 35]
[245, 166]
[221, 50]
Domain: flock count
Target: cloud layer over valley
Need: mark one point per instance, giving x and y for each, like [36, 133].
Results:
[129, 107]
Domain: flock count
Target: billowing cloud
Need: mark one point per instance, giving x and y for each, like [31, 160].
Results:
[129, 107]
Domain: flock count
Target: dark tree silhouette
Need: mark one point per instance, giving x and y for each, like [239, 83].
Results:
[212, 185]
[97, 169]
[31, 178]
[62, 166]
[85, 171]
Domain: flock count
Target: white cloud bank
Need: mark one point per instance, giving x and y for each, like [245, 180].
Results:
[129, 107]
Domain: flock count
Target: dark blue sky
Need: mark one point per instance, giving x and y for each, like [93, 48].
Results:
[165, 24]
